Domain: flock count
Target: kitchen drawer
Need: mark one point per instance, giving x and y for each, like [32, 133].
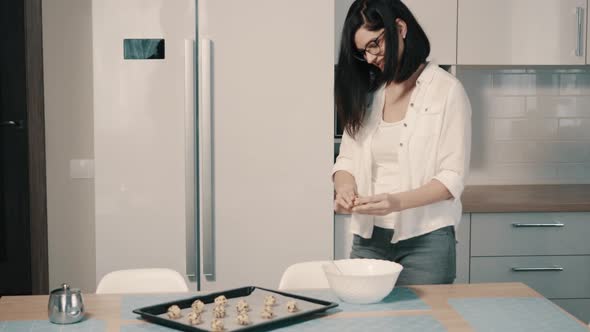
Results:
[580, 308]
[507, 234]
[571, 282]
[463, 250]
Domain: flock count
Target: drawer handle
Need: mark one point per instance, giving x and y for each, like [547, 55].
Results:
[537, 225]
[535, 269]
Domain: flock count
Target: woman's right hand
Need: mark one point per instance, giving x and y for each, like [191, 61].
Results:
[346, 192]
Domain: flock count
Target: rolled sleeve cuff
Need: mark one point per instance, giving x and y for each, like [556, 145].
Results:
[453, 182]
[342, 165]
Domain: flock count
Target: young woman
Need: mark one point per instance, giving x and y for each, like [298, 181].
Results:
[405, 150]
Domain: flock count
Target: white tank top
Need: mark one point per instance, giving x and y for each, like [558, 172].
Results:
[385, 173]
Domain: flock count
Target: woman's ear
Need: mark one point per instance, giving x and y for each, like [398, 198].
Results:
[402, 27]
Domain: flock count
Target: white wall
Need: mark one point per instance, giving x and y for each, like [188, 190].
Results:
[530, 125]
[67, 57]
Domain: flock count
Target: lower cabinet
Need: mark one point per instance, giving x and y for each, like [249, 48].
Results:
[580, 308]
[552, 276]
[463, 261]
[549, 252]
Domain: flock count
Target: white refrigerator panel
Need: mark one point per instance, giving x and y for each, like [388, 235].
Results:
[272, 117]
[139, 135]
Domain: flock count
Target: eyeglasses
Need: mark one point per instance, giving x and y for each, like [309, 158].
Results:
[373, 47]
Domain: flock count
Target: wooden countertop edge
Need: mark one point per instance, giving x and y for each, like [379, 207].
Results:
[526, 198]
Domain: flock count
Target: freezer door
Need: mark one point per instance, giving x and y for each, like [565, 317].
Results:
[266, 93]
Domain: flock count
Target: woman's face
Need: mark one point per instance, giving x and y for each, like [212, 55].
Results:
[372, 44]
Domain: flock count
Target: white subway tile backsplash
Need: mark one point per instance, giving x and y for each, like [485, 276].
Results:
[567, 151]
[476, 81]
[569, 171]
[530, 125]
[542, 83]
[558, 107]
[505, 107]
[574, 129]
[519, 172]
[515, 129]
[574, 84]
[515, 152]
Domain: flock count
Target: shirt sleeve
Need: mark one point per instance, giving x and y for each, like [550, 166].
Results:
[454, 150]
[344, 161]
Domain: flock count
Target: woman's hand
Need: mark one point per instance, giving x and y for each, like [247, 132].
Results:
[378, 205]
[345, 192]
[345, 199]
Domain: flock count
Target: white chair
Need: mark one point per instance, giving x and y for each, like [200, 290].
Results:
[306, 275]
[142, 281]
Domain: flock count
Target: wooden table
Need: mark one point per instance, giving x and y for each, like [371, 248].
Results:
[108, 307]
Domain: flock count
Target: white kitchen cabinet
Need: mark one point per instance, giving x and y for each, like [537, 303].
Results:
[439, 21]
[522, 32]
[437, 18]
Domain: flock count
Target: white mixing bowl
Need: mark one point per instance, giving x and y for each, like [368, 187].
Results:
[362, 281]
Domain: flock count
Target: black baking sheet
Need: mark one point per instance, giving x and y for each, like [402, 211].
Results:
[308, 308]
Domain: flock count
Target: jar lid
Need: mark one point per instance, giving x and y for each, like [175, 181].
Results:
[64, 289]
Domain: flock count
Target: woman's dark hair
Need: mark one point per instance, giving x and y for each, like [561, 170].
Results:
[355, 80]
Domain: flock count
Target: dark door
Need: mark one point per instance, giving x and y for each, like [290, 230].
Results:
[18, 234]
[15, 247]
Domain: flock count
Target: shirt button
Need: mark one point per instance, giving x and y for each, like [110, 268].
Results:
[426, 109]
[411, 104]
[405, 124]
[418, 82]
[401, 144]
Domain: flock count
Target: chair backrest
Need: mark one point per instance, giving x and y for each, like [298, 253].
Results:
[142, 281]
[306, 275]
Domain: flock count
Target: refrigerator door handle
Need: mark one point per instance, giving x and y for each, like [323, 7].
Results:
[190, 171]
[206, 160]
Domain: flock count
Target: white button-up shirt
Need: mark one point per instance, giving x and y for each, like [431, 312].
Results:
[435, 143]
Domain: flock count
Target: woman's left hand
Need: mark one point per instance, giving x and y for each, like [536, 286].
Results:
[377, 205]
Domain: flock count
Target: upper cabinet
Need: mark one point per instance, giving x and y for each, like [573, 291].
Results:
[439, 21]
[437, 18]
[522, 32]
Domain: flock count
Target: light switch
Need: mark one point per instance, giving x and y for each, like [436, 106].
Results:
[82, 169]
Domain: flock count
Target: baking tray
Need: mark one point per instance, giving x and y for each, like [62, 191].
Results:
[253, 295]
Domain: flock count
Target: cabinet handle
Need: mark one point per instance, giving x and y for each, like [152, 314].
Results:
[536, 269]
[580, 41]
[517, 224]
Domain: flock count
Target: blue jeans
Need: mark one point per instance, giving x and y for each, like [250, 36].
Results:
[427, 259]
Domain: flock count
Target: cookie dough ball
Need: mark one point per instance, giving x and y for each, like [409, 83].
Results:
[217, 325]
[174, 312]
[292, 306]
[242, 306]
[198, 306]
[243, 319]
[267, 313]
[220, 300]
[219, 311]
[194, 318]
[270, 300]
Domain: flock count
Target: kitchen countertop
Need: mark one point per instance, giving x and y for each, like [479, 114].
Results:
[527, 198]
[108, 309]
